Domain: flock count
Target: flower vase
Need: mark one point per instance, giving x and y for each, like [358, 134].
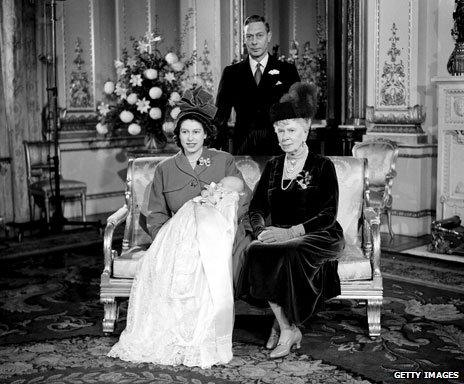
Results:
[153, 143]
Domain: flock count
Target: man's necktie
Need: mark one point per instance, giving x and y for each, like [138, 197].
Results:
[258, 73]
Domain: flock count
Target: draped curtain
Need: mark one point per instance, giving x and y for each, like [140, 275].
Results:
[19, 101]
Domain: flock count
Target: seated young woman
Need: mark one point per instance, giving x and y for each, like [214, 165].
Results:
[181, 303]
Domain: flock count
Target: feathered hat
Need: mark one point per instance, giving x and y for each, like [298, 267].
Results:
[299, 102]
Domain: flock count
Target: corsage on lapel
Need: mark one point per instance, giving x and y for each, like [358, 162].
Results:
[204, 161]
[303, 179]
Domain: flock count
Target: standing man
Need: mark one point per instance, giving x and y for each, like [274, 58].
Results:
[251, 87]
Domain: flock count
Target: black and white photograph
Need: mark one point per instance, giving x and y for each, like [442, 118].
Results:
[231, 191]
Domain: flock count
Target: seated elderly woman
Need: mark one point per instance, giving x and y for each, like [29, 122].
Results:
[292, 264]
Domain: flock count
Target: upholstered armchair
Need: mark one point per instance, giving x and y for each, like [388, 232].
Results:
[41, 183]
[359, 264]
[381, 155]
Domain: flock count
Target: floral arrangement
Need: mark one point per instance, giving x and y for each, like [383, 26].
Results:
[148, 86]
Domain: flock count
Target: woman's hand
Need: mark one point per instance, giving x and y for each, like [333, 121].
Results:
[211, 194]
[275, 235]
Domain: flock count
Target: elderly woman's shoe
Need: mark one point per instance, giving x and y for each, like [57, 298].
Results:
[288, 338]
[273, 337]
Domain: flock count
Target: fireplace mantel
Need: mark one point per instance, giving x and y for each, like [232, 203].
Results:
[450, 175]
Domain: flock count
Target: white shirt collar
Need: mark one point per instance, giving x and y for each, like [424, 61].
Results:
[263, 62]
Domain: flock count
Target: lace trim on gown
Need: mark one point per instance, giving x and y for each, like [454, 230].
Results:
[171, 316]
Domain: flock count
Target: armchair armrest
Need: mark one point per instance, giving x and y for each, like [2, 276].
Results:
[372, 223]
[111, 223]
[391, 174]
[387, 196]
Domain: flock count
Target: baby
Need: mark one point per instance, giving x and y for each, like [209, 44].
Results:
[213, 193]
[232, 184]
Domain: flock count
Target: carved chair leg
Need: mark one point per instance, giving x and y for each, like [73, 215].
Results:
[373, 317]
[111, 308]
[389, 223]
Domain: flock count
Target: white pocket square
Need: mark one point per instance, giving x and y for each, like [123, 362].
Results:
[274, 72]
[278, 83]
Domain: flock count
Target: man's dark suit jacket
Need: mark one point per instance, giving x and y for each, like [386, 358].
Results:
[253, 133]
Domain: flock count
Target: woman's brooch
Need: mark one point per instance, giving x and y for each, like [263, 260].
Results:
[303, 179]
[203, 161]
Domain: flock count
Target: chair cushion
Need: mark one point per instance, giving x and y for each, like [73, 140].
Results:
[350, 175]
[125, 265]
[353, 265]
[251, 168]
[141, 176]
[46, 185]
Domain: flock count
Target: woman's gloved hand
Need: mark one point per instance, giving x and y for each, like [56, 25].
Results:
[277, 235]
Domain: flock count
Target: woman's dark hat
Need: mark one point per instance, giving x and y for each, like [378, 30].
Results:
[197, 102]
[299, 102]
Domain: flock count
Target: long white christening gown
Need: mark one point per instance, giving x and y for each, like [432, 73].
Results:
[181, 303]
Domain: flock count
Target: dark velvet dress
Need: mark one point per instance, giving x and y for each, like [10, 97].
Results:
[298, 274]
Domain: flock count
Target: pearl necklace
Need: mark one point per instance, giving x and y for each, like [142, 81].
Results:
[292, 164]
[288, 185]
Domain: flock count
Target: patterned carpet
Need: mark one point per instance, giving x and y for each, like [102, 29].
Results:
[422, 330]
[77, 360]
[37, 242]
[50, 331]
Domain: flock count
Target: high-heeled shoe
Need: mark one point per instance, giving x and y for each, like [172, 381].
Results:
[288, 338]
[273, 337]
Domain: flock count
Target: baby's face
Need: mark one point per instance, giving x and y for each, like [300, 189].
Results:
[232, 183]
